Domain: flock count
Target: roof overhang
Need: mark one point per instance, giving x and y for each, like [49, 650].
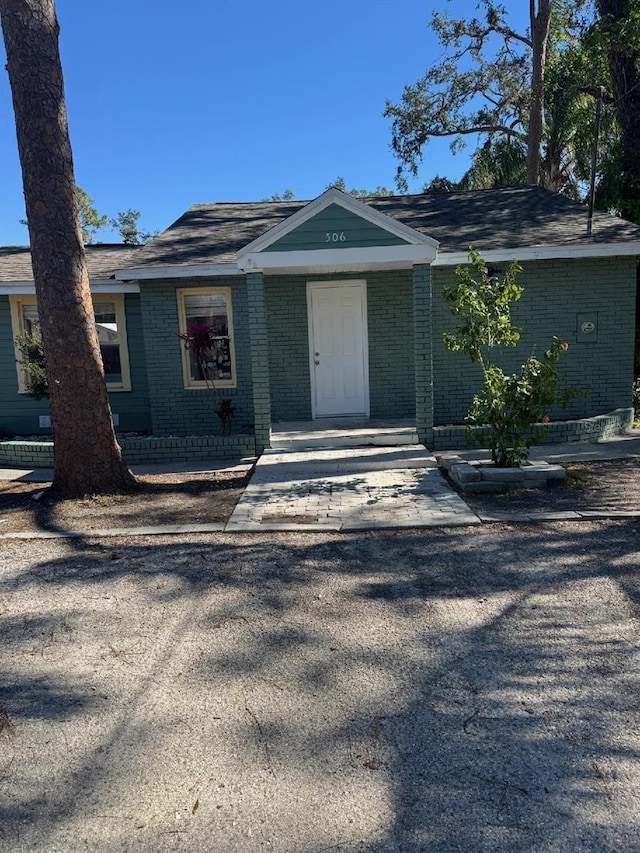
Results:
[542, 253]
[177, 271]
[102, 285]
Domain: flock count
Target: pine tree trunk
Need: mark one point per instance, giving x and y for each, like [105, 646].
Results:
[624, 63]
[540, 22]
[87, 457]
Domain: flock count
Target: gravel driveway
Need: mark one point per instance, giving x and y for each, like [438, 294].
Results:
[443, 690]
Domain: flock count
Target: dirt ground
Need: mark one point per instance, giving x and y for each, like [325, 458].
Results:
[602, 486]
[203, 498]
[185, 498]
[456, 689]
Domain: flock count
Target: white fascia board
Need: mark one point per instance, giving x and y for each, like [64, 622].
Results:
[177, 271]
[541, 253]
[368, 257]
[19, 288]
[105, 285]
[354, 205]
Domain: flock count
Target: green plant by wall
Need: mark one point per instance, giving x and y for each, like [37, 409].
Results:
[29, 345]
[508, 404]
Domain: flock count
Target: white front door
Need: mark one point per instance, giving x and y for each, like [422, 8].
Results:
[338, 341]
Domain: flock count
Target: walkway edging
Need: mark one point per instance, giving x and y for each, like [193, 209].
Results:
[219, 527]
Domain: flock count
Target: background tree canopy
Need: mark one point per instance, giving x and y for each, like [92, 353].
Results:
[494, 84]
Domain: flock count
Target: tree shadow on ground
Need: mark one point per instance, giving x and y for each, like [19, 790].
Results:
[447, 689]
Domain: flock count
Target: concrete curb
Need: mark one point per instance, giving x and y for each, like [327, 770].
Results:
[470, 520]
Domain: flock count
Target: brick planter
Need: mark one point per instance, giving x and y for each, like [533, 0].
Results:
[139, 451]
[476, 476]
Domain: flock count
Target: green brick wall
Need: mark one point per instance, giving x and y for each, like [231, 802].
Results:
[288, 334]
[390, 331]
[390, 321]
[259, 360]
[423, 352]
[19, 413]
[555, 292]
[176, 410]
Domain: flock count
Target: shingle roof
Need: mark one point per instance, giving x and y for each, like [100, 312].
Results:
[103, 259]
[488, 219]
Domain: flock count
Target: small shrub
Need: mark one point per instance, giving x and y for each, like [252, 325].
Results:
[508, 404]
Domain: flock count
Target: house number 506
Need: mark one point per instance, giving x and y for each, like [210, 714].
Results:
[335, 237]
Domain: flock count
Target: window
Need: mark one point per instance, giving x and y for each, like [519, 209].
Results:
[112, 335]
[206, 327]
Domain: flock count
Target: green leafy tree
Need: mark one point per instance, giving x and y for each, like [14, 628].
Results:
[508, 405]
[619, 27]
[285, 195]
[498, 162]
[378, 192]
[126, 224]
[501, 87]
[90, 220]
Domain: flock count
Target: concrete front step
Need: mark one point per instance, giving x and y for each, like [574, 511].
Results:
[307, 436]
[317, 462]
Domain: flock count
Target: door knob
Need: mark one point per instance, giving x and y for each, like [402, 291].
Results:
[316, 362]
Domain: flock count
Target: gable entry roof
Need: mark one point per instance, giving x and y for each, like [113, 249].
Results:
[503, 223]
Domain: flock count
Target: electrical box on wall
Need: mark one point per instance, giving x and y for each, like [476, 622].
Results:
[587, 328]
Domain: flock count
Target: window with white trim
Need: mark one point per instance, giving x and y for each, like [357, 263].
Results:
[206, 329]
[110, 326]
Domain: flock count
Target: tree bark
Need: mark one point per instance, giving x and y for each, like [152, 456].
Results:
[87, 457]
[624, 62]
[540, 22]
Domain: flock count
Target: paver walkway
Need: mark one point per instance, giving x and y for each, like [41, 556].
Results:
[348, 489]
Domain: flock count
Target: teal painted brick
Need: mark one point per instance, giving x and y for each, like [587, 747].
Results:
[139, 451]
[391, 343]
[259, 360]
[423, 353]
[19, 413]
[288, 351]
[555, 292]
[176, 410]
[390, 333]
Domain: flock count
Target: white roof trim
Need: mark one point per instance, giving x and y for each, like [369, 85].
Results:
[353, 205]
[540, 253]
[104, 285]
[177, 271]
[369, 257]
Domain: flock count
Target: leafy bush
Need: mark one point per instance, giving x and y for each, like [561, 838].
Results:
[32, 362]
[508, 404]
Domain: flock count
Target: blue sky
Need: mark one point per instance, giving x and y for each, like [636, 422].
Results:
[220, 100]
